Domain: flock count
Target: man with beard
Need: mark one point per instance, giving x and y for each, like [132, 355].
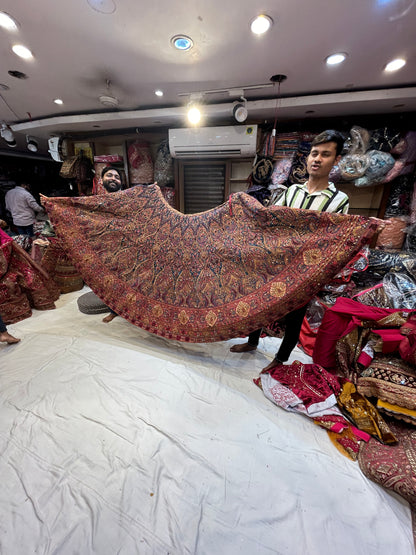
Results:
[318, 193]
[111, 179]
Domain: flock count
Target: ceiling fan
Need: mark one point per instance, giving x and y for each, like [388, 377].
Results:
[108, 99]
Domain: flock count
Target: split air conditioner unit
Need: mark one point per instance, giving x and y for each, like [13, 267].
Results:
[213, 142]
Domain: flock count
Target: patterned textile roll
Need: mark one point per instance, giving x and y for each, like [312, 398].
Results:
[405, 164]
[335, 174]
[400, 148]
[380, 163]
[140, 163]
[286, 145]
[390, 379]
[384, 139]
[281, 170]
[392, 236]
[39, 247]
[299, 172]
[358, 140]
[60, 267]
[380, 262]
[353, 166]
[374, 296]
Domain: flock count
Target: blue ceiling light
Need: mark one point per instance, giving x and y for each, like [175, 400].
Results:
[182, 42]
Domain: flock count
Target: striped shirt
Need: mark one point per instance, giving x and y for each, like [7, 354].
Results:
[328, 200]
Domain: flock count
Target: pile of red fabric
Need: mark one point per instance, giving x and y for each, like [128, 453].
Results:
[23, 283]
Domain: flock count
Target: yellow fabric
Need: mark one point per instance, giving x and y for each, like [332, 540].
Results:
[396, 408]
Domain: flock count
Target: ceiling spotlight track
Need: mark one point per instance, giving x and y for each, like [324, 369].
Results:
[239, 91]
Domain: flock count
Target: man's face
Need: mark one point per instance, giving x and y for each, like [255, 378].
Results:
[112, 181]
[321, 159]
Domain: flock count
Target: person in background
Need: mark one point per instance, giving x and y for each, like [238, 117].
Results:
[111, 181]
[23, 208]
[316, 194]
[5, 336]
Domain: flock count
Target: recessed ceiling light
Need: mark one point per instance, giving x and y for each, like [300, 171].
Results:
[261, 24]
[335, 59]
[7, 22]
[182, 42]
[58, 101]
[396, 64]
[158, 92]
[22, 51]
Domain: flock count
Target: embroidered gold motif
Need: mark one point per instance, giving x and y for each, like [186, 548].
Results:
[278, 290]
[312, 256]
[211, 318]
[243, 309]
[157, 310]
[183, 317]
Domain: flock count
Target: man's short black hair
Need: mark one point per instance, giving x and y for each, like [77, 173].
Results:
[330, 136]
[108, 168]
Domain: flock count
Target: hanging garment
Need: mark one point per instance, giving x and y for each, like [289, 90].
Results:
[208, 276]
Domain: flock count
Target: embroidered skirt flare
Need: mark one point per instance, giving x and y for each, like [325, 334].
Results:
[203, 277]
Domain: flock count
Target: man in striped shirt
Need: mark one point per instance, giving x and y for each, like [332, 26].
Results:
[316, 194]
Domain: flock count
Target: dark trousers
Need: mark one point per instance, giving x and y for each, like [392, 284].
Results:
[2, 326]
[25, 230]
[293, 324]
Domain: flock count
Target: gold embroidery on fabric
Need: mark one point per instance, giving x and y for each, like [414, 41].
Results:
[211, 318]
[157, 310]
[108, 281]
[278, 290]
[312, 256]
[243, 309]
[183, 317]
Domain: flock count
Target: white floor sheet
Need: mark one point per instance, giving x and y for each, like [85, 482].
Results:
[116, 441]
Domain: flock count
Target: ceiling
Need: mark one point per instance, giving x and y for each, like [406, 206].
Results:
[87, 48]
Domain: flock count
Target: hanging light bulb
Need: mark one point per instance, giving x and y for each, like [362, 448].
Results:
[194, 115]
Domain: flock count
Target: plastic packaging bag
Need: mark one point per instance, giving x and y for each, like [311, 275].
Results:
[401, 290]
